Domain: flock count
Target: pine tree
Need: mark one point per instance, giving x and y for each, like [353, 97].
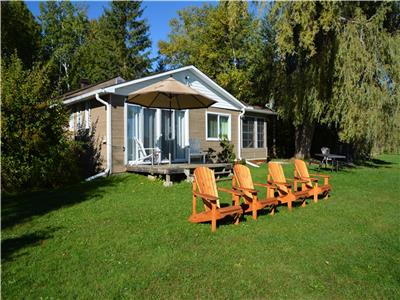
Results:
[118, 44]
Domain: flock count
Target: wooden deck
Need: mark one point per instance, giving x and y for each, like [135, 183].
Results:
[173, 169]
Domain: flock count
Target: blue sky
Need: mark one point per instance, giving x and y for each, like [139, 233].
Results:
[157, 13]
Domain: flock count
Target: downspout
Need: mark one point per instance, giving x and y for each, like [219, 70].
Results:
[108, 169]
[240, 133]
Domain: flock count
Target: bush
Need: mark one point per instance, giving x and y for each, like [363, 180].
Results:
[227, 153]
[36, 150]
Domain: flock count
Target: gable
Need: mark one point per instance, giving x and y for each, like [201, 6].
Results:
[188, 75]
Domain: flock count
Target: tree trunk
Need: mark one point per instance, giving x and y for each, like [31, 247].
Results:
[304, 134]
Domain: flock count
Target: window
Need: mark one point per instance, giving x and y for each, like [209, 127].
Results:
[87, 115]
[253, 132]
[72, 121]
[248, 132]
[224, 127]
[79, 119]
[218, 126]
[260, 133]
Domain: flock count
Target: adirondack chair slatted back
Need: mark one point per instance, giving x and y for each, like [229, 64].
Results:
[194, 145]
[302, 171]
[275, 170]
[243, 178]
[205, 181]
[142, 152]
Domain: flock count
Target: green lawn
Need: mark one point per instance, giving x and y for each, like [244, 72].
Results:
[128, 237]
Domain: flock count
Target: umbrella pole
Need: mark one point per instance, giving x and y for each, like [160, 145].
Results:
[170, 132]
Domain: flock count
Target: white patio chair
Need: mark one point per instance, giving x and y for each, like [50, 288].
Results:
[325, 152]
[195, 151]
[152, 155]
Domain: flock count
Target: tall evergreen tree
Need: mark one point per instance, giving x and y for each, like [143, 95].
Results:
[20, 32]
[118, 44]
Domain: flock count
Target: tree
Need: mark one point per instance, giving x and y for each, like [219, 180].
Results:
[64, 27]
[36, 152]
[20, 32]
[216, 39]
[339, 66]
[366, 92]
[117, 44]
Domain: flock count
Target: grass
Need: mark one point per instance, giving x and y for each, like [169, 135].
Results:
[127, 237]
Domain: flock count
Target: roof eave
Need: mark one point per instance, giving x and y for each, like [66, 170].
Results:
[83, 97]
[260, 111]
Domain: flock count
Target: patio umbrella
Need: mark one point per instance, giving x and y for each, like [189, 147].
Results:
[169, 94]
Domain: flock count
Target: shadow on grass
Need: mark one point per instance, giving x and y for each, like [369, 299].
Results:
[17, 209]
[374, 163]
[11, 245]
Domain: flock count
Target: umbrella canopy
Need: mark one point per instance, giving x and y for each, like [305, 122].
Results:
[170, 94]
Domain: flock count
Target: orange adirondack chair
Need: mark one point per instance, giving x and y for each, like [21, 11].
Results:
[309, 183]
[205, 187]
[243, 182]
[276, 176]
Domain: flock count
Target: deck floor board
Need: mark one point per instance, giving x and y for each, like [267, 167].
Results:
[166, 169]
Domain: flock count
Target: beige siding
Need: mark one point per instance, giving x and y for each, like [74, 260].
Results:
[117, 129]
[97, 125]
[197, 127]
[98, 118]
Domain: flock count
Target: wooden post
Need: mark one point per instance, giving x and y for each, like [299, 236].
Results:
[254, 205]
[316, 192]
[213, 217]
[194, 198]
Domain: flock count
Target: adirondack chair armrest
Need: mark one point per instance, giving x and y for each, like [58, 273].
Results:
[234, 192]
[206, 196]
[157, 149]
[253, 191]
[280, 183]
[313, 179]
[320, 175]
[264, 185]
[301, 179]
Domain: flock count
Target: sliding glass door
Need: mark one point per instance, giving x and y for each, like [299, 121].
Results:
[164, 129]
[149, 128]
[180, 128]
[132, 132]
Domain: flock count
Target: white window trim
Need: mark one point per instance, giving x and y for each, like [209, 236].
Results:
[79, 119]
[255, 133]
[229, 125]
[72, 121]
[87, 115]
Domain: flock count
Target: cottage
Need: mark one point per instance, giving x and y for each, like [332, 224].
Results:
[117, 125]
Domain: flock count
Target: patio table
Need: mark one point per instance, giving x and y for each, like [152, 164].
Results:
[333, 157]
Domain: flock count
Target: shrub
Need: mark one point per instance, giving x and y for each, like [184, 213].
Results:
[227, 153]
[36, 151]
